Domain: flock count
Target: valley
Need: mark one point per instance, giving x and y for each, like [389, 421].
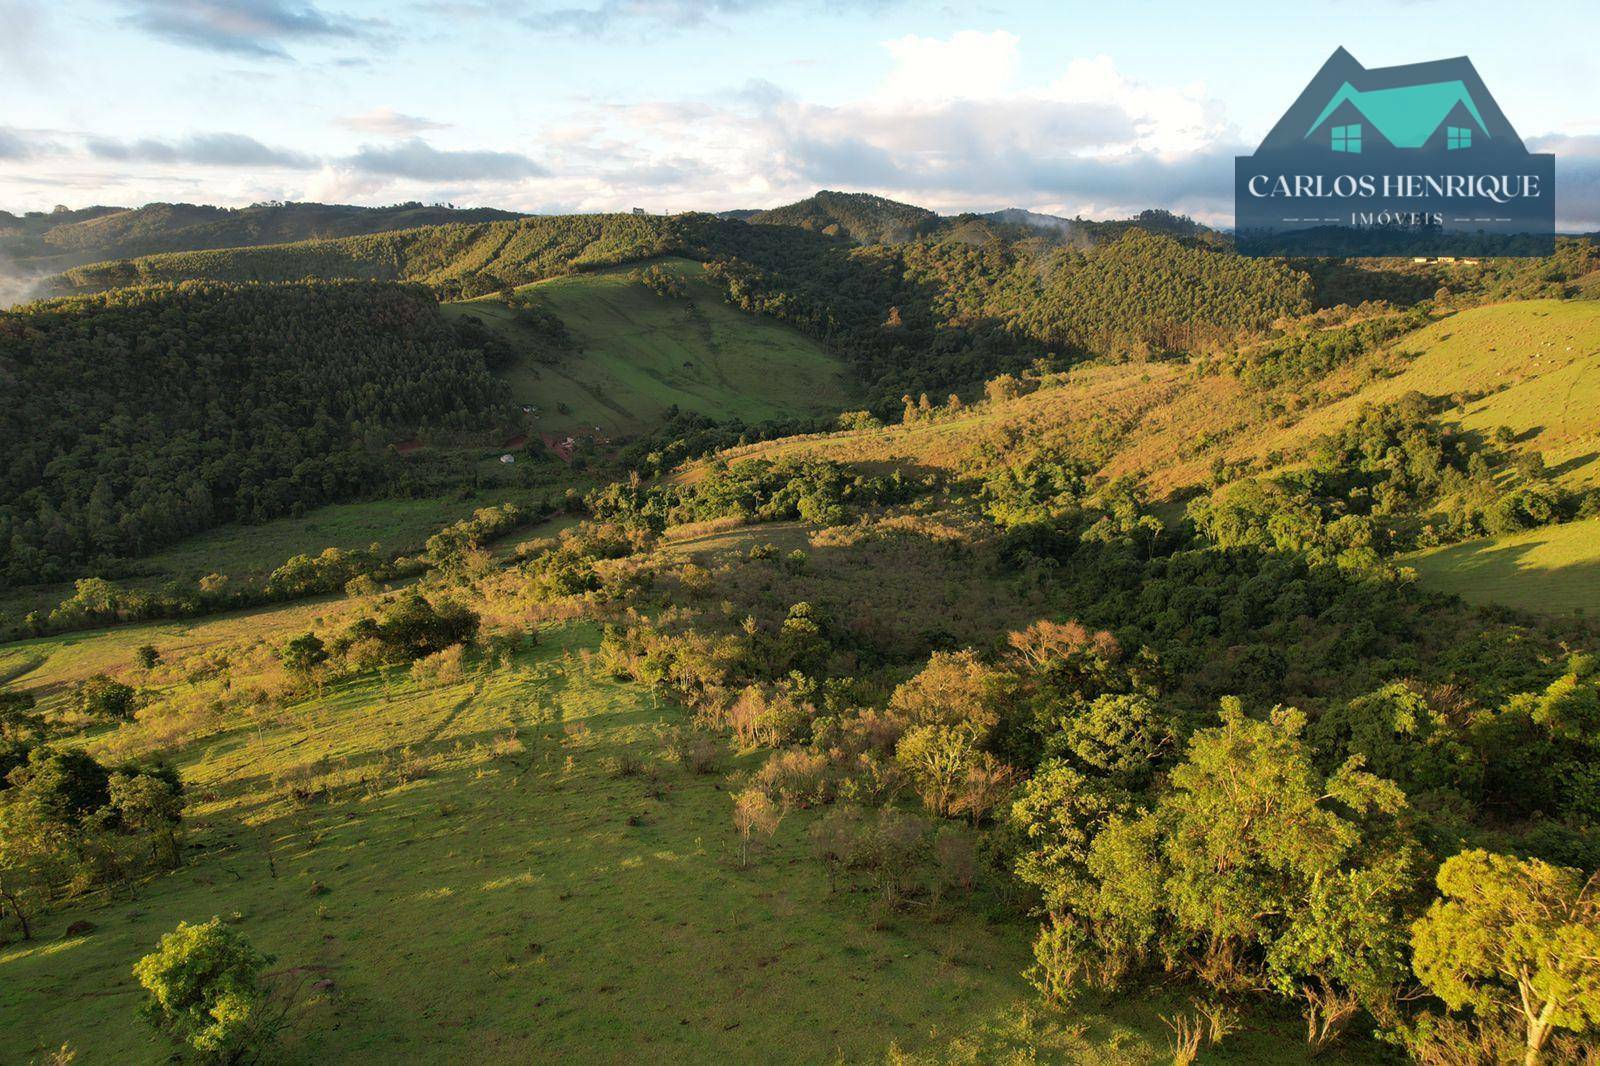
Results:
[840, 632]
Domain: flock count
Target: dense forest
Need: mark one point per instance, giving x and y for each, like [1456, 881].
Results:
[138, 417]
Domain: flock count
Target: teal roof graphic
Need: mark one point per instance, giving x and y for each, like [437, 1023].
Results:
[1439, 105]
[1406, 115]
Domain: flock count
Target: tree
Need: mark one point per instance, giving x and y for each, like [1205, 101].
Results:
[954, 689]
[304, 654]
[1058, 812]
[65, 785]
[34, 858]
[756, 817]
[152, 804]
[1513, 937]
[102, 697]
[1120, 736]
[1270, 859]
[147, 656]
[937, 758]
[17, 717]
[203, 987]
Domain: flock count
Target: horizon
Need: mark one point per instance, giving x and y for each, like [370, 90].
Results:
[1133, 216]
[712, 105]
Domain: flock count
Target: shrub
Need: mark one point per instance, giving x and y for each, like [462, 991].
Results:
[693, 749]
[756, 817]
[203, 988]
[102, 697]
[443, 667]
[796, 778]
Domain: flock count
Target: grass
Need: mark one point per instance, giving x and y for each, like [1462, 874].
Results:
[1554, 570]
[473, 879]
[247, 554]
[639, 354]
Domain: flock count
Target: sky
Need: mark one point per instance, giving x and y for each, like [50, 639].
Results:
[1095, 109]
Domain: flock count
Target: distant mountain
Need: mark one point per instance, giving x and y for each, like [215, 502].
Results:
[858, 216]
[867, 219]
[1019, 216]
[42, 241]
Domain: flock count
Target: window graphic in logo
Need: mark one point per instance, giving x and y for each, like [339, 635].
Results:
[1410, 160]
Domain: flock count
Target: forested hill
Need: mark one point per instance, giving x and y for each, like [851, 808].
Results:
[939, 312]
[858, 216]
[133, 419]
[60, 239]
[459, 260]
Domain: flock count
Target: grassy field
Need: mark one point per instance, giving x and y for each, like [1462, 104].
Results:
[471, 876]
[639, 353]
[1532, 365]
[1554, 570]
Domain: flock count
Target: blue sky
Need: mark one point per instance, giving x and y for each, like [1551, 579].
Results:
[579, 105]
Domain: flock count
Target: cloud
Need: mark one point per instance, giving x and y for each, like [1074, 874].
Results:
[257, 28]
[22, 39]
[416, 159]
[611, 16]
[13, 146]
[1566, 144]
[204, 149]
[389, 122]
[967, 64]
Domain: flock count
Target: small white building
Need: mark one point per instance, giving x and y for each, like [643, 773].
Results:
[508, 458]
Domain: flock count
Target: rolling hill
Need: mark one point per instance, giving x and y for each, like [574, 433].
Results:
[1093, 699]
[40, 242]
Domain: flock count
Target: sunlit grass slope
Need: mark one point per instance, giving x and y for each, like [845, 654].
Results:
[1554, 570]
[639, 353]
[247, 554]
[465, 875]
[1532, 365]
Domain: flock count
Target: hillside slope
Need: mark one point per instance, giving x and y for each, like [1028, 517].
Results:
[467, 874]
[1554, 570]
[634, 354]
[142, 416]
[455, 260]
[1532, 367]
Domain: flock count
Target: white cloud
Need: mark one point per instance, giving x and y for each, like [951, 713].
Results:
[966, 65]
[419, 160]
[1166, 118]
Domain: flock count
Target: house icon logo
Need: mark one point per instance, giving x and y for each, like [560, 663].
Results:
[1409, 160]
